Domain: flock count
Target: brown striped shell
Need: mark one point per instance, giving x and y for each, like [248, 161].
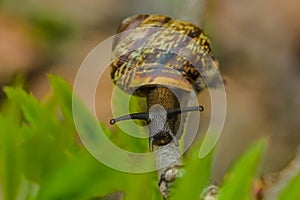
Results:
[144, 55]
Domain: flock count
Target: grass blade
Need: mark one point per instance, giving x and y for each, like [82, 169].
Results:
[238, 182]
[10, 168]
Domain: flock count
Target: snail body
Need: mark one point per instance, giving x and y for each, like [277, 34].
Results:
[153, 56]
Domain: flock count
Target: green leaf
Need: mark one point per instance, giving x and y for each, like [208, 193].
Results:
[197, 175]
[238, 182]
[82, 178]
[291, 190]
[63, 98]
[134, 190]
[62, 93]
[44, 145]
[10, 166]
[35, 114]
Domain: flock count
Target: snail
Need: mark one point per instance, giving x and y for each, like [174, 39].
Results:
[153, 56]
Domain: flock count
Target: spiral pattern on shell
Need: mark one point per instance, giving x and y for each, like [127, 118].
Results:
[143, 56]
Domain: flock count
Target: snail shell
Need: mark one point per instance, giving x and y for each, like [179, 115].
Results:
[143, 56]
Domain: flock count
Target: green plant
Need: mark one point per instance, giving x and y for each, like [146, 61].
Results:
[41, 157]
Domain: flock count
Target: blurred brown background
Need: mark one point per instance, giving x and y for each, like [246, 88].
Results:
[256, 42]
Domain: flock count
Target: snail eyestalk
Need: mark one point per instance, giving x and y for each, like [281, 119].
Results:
[141, 116]
[177, 111]
[145, 116]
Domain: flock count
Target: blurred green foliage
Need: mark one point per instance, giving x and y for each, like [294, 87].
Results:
[41, 157]
[51, 31]
[51, 27]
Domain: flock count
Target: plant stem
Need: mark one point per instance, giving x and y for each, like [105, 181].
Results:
[168, 163]
[274, 187]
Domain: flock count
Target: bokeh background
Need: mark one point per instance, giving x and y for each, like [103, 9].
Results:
[257, 44]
